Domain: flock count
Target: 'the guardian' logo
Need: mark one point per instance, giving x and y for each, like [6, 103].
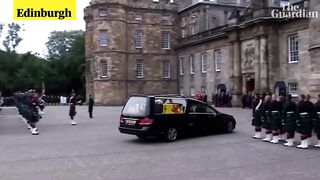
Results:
[293, 11]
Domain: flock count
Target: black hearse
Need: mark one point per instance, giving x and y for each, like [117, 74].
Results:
[170, 116]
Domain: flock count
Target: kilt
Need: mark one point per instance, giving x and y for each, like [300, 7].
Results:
[72, 110]
[256, 119]
[316, 123]
[34, 118]
[304, 124]
[289, 122]
[275, 120]
[266, 120]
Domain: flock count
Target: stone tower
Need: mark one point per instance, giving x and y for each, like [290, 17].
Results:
[314, 48]
[113, 57]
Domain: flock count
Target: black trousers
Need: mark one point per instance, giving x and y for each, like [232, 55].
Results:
[90, 112]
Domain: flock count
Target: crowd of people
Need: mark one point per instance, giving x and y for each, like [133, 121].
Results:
[281, 118]
[247, 99]
[222, 99]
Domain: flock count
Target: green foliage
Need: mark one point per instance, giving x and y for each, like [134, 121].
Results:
[12, 39]
[60, 74]
[60, 43]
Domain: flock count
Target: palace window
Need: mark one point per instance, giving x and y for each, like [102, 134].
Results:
[104, 69]
[293, 49]
[103, 12]
[181, 91]
[138, 17]
[204, 62]
[192, 29]
[293, 89]
[218, 60]
[166, 69]
[183, 33]
[139, 68]
[183, 22]
[103, 38]
[138, 39]
[165, 40]
[192, 64]
[192, 92]
[181, 65]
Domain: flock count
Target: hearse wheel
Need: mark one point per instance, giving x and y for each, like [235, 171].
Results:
[142, 137]
[171, 134]
[229, 127]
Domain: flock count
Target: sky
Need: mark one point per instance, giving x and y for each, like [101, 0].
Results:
[36, 33]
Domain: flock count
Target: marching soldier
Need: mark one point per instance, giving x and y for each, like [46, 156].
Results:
[317, 121]
[72, 107]
[282, 133]
[312, 115]
[289, 120]
[34, 116]
[276, 109]
[304, 123]
[256, 114]
[266, 118]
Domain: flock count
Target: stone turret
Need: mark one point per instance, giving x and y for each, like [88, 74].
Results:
[112, 54]
[314, 48]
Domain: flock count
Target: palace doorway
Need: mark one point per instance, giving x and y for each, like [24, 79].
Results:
[249, 85]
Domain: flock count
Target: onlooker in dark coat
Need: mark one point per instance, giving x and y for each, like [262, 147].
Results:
[91, 103]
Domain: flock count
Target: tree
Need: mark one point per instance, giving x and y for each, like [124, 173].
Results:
[60, 42]
[13, 39]
[1, 27]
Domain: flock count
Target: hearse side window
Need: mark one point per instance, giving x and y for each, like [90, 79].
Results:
[136, 106]
[196, 107]
[170, 106]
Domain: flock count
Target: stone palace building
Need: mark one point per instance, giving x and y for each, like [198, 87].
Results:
[186, 46]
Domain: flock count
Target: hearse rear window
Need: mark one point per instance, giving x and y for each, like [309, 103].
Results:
[170, 106]
[136, 106]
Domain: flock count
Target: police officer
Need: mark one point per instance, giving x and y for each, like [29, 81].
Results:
[304, 122]
[256, 115]
[289, 120]
[317, 121]
[276, 109]
[266, 118]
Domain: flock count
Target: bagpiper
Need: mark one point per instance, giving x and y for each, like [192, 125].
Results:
[256, 115]
[266, 118]
[304, 122]
[317, 121]
[72, 107]
[34, 108]
[289, 120]
[276, 109]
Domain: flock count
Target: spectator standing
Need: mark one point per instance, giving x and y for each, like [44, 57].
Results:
[91, 103]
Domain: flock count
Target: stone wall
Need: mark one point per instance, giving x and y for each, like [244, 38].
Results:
[211, 78]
